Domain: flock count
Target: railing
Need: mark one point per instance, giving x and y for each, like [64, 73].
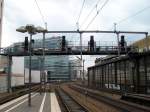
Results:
[96, 49]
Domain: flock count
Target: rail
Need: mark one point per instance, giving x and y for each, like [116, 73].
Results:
[16, 94]
[70, 104]
[120, 105]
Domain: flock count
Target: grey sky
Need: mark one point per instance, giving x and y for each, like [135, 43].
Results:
[63, 14]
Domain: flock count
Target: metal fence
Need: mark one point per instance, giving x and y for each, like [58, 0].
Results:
[126, 74]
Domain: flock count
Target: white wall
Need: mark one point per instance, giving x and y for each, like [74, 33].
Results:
[17, 81]
[14, 82]
[18, 65]
[3, 84]
[17, 71]
[35, 75]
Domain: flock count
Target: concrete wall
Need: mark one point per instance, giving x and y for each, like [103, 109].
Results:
[17, 71]
[18, 65]
[35, 75]
[16, 80]
[3, 84]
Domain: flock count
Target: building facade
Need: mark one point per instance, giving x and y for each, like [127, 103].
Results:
[56, 67]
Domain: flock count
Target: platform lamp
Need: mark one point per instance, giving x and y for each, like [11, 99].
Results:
[31, 30]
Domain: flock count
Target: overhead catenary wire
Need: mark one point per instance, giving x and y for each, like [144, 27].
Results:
[132, 15]
[77, 23]
[98, 11]
[86, 18]
[42, 16]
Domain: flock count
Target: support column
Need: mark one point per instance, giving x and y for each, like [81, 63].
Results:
[120, 75]
[102, 84]
[43, 62]
[137, 77]
[108, 74]
[69, 71]
[9, 74]
[118, 43]
[145, 69]
[146, 42]
[115, 66]
[125, 77]
[81, 44]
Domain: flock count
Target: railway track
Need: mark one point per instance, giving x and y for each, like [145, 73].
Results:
[120, 105]
[69, 103]
[137, 98]
[17, 94]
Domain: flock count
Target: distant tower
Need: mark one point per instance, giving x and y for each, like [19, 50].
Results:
[1, 18]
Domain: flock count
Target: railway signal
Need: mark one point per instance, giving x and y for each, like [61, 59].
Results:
[26, 44]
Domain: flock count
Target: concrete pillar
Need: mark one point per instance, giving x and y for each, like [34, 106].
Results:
[9, 74]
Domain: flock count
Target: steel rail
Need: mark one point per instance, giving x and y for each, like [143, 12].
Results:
[123, 106]
[68, 107]
[98, 31]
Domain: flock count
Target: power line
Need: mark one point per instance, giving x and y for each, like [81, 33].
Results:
[135, 14]
[97, 14]
[77, 23]
[86, 18]
[45, 23]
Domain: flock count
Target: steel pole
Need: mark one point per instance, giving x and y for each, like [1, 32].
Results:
[146, 41]
[81, 50]
[24, 73]
[30, 58]
[9, 74]
[81, 45]
[83, 71]
[40, 63]
[97, 31]
[43, 59]
[118, 44]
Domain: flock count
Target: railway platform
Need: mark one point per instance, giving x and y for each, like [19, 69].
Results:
[46, 102]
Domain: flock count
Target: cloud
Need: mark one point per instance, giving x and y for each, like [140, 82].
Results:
[63, 14]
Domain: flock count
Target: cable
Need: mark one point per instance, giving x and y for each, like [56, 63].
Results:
[86, 18]
[77, 23]
[97, 14]
[133, 15]
[45, 23]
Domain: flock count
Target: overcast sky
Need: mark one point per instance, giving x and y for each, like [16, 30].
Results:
[63, 15]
